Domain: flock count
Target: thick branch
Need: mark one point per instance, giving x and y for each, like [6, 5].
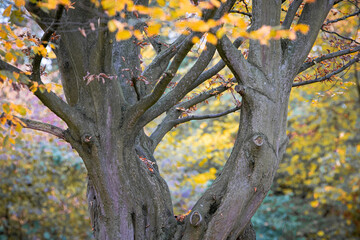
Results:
[166, 125]
[289, 18]
[215, 69]
[44, 41]
[49, 99]
[312, 15]
[202, 117]
[145, 103]
[327, 56]
[161, 61]
[233, 59]
[43, 127]
[328, 76]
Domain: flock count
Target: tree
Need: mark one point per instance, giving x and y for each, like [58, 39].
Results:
[110, 98]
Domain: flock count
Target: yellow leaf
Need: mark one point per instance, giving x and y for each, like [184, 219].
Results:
[19, 3]
[211, 39]
[16, 75]
[3, 34]
[138, 34]
[202, 162]
[7, 45]
[11, 140]
[18, 127]
[51, 55]
[6, 107]
[9, 56]
[195, 40]
[198, 26]
[154, 29]
[34, 87]
[19, 43]
[216, 3]
[301, 28]
[123, 35]
[320, 233]
[112, 25]
[7, 11]
[161, 3]
[314, 204]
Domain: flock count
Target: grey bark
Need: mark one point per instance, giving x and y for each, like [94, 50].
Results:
[127, 197]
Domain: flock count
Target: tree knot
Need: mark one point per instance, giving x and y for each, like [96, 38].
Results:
[87, 138]
[241, 89]
[258, 140]
[195, 218]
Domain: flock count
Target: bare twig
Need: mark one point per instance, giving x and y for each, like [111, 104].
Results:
[340, 36]
[342, 18]
[202, 117]
[328, 76]
[242, 13]
[328, 56]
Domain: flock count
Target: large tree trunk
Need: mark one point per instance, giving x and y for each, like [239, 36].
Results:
[127, 197]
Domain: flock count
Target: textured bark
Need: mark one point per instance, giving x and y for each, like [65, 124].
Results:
[127, 197]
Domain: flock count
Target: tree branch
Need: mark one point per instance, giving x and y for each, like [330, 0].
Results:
[145, 103]
[328, 76]
[183, 87]
[44, 41]
[49, 99]
[233, 59]
[340, 36]
[43, 127]
[166, 125]
[342, 18]
[296, 51]
[327, 56]
[290, 15]
[161, 61]
[215, 69]
[242, 13]
[202, 117]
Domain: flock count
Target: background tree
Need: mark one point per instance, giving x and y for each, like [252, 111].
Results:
[111, 97]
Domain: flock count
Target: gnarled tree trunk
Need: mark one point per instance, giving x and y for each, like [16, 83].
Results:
[105, 114]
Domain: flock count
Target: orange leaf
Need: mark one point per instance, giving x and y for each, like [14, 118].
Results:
[7, 11]
[123, 35]
[19, 3]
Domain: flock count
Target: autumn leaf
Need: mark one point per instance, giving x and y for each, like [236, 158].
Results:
[7, 11]
[211, 38]
[123, 35]
[19, 3]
